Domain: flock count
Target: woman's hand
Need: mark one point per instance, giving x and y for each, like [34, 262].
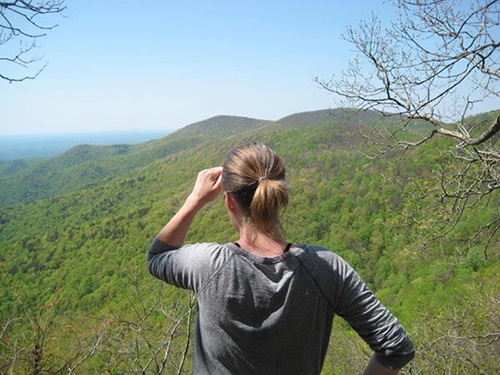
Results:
[208, 185]
[376, 368]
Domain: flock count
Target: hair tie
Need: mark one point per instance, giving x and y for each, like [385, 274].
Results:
[262, 178]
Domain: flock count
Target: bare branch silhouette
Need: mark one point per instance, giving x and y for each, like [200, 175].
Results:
[426, 72]
[19, 23]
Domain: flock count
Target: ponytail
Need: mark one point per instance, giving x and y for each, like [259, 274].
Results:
[269, 199]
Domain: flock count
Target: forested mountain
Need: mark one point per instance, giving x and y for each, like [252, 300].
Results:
[11, 167]
[85, 165]
[74, 230]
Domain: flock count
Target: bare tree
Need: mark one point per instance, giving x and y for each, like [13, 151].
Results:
[150, 336]
[148, 333]
[28, 342]
[428, 70]
[20, 29]
[464, 340]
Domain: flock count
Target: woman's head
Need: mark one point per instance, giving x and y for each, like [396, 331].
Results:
[254, 176]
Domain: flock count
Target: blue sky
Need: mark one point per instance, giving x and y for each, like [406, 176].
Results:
[138, 66]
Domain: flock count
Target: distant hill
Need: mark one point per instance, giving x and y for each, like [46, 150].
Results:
[342, 116]
[86, 165]
[11, 167]
[22, 146]
[220, 125]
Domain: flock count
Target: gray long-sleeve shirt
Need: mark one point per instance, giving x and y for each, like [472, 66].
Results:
[274, 315]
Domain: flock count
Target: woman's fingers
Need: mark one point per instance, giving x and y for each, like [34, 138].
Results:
[215, 173]
[209, 176]
[218, 182]
[208, 185]
[217, 187]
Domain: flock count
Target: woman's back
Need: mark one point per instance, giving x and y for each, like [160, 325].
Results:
[273, 315]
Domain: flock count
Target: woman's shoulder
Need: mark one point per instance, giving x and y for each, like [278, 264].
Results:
[212, 252]
[321, 254]
[319, 250]
[206, 247]
[326, 265]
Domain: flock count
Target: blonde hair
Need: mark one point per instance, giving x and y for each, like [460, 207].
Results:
[254, 176]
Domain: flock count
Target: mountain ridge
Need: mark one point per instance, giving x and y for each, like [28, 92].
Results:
[90, 164]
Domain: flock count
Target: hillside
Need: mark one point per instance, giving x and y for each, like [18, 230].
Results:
[72, 264]
[342, 116]
[12, 167]
[86, 165]
[30, 146]
[220, 125]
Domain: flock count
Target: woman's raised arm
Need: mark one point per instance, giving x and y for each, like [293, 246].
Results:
[208, 185]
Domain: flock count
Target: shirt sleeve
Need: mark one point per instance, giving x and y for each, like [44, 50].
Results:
[187, 267]
[371, 320]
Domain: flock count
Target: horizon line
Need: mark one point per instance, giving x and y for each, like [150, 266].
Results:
[110, 132]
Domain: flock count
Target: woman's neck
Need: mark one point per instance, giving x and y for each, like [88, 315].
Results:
[262, 244]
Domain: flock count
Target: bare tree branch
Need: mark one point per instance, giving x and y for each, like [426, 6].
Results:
[437, 61]
[19, 23]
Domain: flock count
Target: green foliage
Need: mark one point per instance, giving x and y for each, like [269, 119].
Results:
[85, 166]
[11, 167]
[83, 247]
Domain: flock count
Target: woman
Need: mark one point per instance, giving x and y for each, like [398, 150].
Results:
[266, 306]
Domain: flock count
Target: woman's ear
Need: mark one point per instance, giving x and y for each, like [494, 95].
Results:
[229, 201]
